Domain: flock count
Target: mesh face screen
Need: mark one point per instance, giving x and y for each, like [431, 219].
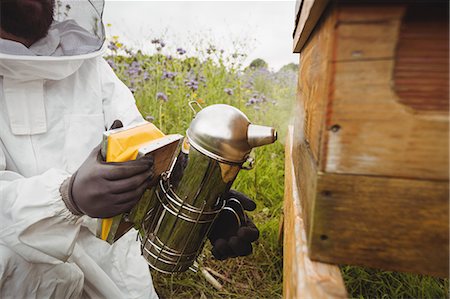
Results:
[77, 29]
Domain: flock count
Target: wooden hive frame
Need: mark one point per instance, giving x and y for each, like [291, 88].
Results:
[371, 154]
[302, 277]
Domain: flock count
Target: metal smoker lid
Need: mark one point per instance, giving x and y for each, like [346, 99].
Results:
[222, 132]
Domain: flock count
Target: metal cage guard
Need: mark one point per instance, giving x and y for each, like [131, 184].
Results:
[158, 254]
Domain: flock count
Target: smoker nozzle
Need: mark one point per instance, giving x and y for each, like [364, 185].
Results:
[260, 135]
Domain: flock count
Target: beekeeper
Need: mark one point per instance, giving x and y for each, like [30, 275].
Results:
[57, 96]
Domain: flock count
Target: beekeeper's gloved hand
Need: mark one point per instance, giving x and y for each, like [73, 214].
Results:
[99, 189]
[228, 237]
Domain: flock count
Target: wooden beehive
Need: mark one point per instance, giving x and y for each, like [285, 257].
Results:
[370, 140]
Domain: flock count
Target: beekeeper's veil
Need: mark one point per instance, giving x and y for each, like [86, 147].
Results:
[88, 15]
[76, 35]
[77, 29]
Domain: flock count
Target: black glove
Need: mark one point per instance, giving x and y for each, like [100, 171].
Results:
[229, 237]
[99, 189]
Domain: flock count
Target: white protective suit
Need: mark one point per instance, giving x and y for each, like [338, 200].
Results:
[53, 110]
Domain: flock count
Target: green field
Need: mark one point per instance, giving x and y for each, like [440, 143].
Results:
[163, 84]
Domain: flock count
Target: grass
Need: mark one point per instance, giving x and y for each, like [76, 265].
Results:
[370, 283]
[163, 84]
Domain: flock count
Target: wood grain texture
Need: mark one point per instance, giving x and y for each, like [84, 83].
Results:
[377, 135]
[314, 75]
[371, 130]
[367, 40]
[372, 174]
[305, 170]
[388, 223]
[366, 12]
[392, 224]
[421, 69]
[308, 15]
[303, 278]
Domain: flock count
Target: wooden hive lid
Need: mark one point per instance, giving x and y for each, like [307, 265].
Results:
[307, 14]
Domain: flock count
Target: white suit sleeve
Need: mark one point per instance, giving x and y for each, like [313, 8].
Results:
[34, 220]
[118, 101]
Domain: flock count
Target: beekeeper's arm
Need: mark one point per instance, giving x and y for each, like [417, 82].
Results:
[40, 215]
[100, 189]
[35, 222]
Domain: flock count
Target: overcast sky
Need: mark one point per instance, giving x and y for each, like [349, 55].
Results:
[261, 29]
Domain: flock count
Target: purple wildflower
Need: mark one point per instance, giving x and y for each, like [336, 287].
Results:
[112, 46]
[134, 69]
[251, 101]
[256, 99]
[192, 84]
[133, 72]
[162, 44]
[228, 91]
[146, 76]
[181, 51]
[111, 63]
[162, 96]
[168, 75]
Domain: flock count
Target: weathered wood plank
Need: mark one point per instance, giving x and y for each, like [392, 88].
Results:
[364, 41]
[372, 131]
[373, 172]
[309, 13]
[360, 12]
[421, 72]
[290, 272]
[374, 134]
[366, 32]
[371, 81]
[392, 224]
[303, 278]
[305, 170]
[314, 75]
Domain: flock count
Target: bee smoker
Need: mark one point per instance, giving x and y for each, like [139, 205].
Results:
[185, 204]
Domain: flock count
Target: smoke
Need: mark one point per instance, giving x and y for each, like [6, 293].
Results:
[289, 110]
[298, 120]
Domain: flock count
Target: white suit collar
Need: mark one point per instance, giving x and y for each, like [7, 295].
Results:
[23, 90]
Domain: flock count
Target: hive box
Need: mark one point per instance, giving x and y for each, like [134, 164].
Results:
[370, 141]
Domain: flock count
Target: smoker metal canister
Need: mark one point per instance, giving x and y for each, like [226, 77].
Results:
[186, 207]
[184, 213]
